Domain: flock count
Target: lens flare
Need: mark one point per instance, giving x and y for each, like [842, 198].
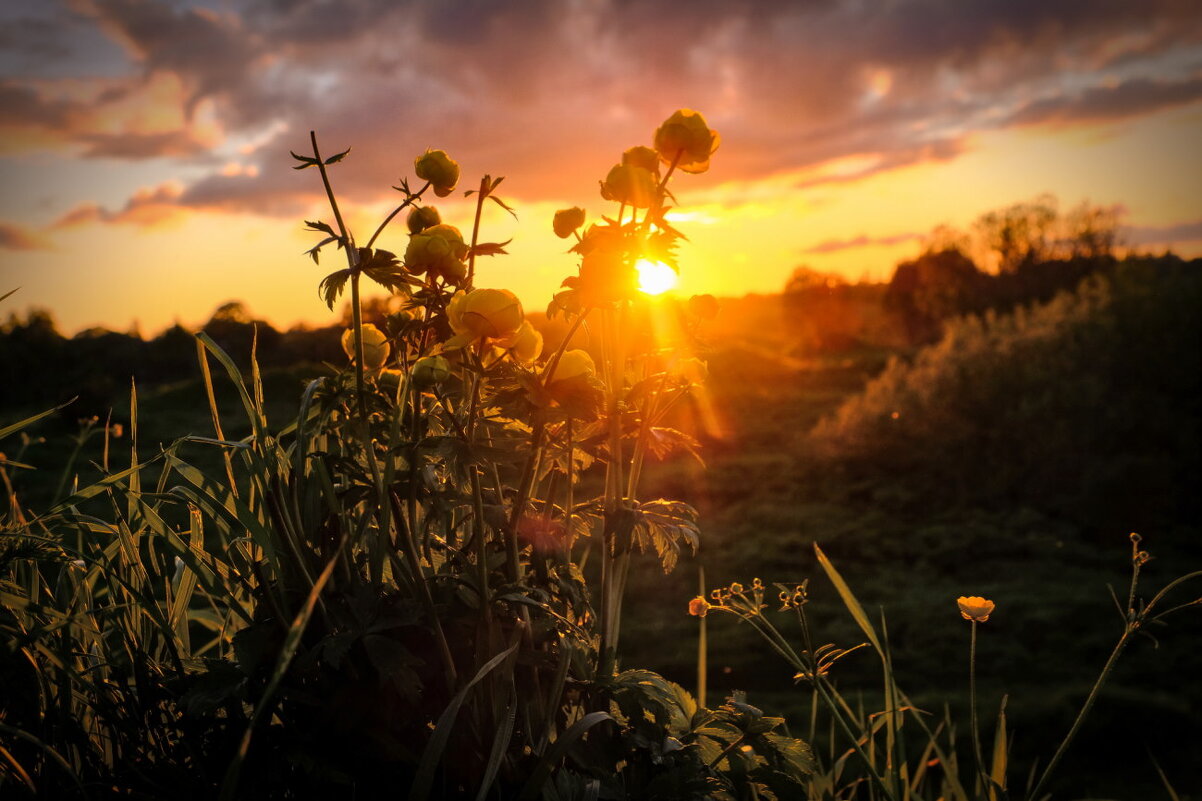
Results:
[655, 277]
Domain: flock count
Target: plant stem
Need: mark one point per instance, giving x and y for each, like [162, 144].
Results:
[408, 202]
[972, 708]
[471, 254]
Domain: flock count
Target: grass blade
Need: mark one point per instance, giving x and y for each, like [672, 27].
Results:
[849, 600]
[442, 731]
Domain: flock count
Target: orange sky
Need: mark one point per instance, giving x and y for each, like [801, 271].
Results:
[144, 144]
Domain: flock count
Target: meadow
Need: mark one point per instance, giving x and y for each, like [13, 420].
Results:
[309, 578]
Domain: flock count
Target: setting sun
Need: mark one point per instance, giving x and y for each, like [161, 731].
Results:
[655, 277]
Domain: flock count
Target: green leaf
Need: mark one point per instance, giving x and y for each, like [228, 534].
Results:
[305, 161]
[332, 285]
[337, 157]
[849, 600]
[490, 248]
[28, 421]
[424, 780]
[503, 205]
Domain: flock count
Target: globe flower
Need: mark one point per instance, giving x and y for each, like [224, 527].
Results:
[431, 370]
[525, 344]
[639, 156]
[421, 218]
[375, 346]
[699, 607]
[439, 169]
[975, 608]
[703, 307]
[567, 220]
[686, 139]
[485, 313]
[438, 250]
[626, 183]
[573, 364]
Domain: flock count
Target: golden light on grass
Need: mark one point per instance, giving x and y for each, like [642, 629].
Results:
[655, 277]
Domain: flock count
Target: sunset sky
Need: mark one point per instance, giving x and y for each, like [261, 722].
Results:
[146, 175]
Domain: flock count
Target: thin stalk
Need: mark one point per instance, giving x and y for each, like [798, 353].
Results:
[471, 254]
[408, 202]
[972, 708]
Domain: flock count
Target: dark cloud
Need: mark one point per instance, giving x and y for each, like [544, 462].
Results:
[1166, 235]
[1127, 99]
[549, 93]
[20, 237]
[861, 241]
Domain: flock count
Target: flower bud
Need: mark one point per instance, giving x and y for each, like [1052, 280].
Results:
[572, 364]
[567, 220]
[375, 346]
[440, 250]
[431, 370]
[439, 169]
[421, 218]
[492, 313]
[634, 186]
[685, 139]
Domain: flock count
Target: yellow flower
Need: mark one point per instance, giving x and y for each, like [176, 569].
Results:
[567, 220]
[423, 217]
[699, 607]
[439, 169]
[375, 346]
[526, 344]
[573, 363]
[490, 313]
[626, 183]
[440, 250]
[685, 138]
[431, 370]
[639, 156]
[975, 608]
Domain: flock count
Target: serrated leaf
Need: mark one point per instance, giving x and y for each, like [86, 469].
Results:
[331, 286]
[318, 225]
[313, 251]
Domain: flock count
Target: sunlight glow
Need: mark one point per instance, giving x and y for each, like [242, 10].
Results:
[655, 277]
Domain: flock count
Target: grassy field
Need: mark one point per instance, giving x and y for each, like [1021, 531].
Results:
[763, 507]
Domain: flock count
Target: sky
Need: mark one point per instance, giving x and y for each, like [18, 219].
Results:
[145, 175]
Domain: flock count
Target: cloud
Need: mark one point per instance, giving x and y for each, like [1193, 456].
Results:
[148, 207]
[1163, 235]
[548, 93]
[20, 237]
[1102, 103]
[861, 241]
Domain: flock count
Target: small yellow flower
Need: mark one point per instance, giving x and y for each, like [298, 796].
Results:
[567, 220]
[686, 139]
[573, 363]
[439, 169]
[639, 156]
[421, 218]
[440, 250]
[626, 183]
[490, 313]
[975, 608]
[736, 588]
[431, 370]
[375, 346]
[699, 607]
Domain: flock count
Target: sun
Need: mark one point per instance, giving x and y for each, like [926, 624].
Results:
[655, 277]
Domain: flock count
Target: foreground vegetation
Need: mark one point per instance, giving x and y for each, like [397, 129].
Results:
[433, 557]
